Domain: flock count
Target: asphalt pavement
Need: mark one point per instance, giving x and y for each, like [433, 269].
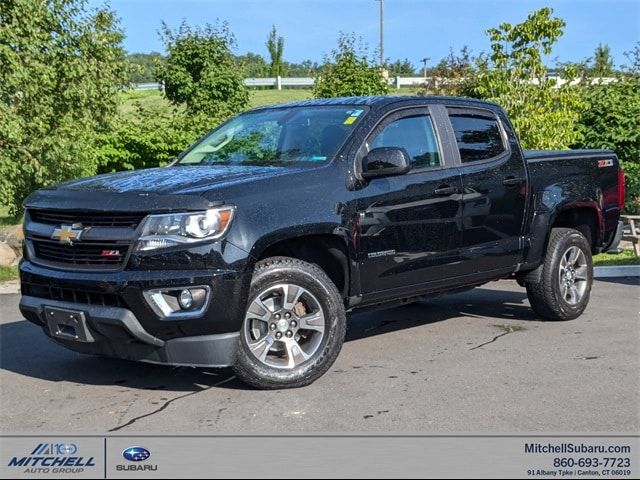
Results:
[479, 362]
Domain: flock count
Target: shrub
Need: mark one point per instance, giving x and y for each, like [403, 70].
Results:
[613, 121]
[151, 138]
[348, 72]
[201, 72]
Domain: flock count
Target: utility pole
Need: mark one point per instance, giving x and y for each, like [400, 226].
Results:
[424, 65]
[381, 32]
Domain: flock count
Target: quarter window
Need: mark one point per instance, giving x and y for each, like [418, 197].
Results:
[416, 135]
[478, 136]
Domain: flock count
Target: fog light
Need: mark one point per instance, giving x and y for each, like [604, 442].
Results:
[185, 299]
[181, 302]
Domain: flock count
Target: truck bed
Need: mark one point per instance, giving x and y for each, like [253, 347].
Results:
[588, 177]
[580, 167]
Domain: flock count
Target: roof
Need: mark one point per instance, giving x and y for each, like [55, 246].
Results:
[374, 101]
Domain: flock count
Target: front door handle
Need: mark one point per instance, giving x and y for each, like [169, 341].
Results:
[512, 181]
[445, 190]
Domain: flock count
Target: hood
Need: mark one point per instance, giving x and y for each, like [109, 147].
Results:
[172, 180]
[155, 189]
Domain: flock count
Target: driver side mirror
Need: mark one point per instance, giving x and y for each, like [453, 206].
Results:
[386, 161]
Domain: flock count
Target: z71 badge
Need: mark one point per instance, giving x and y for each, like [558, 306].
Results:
[605, 163]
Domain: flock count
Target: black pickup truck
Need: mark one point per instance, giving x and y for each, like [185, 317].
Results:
[248, 249]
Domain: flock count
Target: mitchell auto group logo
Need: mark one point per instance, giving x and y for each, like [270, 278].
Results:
[53, 458]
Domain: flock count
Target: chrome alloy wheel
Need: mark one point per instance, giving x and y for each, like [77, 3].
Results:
[284, 326]
[573, 275]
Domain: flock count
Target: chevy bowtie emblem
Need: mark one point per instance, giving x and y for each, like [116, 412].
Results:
[67, 234]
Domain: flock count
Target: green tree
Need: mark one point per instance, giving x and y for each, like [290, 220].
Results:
[144, 66]
[602, 61]
[253, 65]
[61, 67]
[634, 58]
[305, 69]
[401, 68]
[543, 111]
[275, 47]
[348, 72]
[201, 72]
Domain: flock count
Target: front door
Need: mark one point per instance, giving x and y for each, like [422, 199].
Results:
[409, 225]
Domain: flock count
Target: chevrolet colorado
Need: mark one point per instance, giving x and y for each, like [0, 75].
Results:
[248, 249]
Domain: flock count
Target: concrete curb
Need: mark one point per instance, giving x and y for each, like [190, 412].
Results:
[7, 288]
[617, 271]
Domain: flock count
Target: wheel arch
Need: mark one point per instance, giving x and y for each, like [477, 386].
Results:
[329, 251]
[584, 216]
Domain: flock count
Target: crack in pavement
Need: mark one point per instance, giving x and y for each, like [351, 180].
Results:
[167, 403]
[507, 331]
[124, 412]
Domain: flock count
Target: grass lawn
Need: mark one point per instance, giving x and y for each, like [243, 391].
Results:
[627, 257]
[151, 99]
[5, 219]
[258, 98]
[8, 273]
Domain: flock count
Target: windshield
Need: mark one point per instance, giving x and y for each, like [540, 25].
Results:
[278, 137]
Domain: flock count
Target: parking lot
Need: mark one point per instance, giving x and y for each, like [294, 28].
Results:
[478, 361]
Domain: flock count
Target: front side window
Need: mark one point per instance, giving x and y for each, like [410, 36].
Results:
[415, 134]
[303, 136]
[478, 136]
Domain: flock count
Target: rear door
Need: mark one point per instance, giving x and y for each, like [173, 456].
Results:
[494, 195]
[409, 224]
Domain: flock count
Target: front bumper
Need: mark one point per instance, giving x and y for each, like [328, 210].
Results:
[126, 290]
[116, 332]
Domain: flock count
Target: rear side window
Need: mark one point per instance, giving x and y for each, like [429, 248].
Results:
[416, 135]
[478, 136]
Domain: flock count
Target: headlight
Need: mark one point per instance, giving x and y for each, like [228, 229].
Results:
[171, 229]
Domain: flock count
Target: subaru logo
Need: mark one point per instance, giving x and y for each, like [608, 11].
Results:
[136, 454]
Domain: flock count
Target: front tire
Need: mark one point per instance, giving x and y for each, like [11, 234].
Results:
[567, 275]
[294, 325]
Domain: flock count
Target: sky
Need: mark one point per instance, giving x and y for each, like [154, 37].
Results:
[413, 29]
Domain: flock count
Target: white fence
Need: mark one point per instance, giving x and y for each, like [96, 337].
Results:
[280, 82]
[397, 82]
[147, 86]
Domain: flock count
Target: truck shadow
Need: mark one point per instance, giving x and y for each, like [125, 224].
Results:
[25, 350]
[478, 303]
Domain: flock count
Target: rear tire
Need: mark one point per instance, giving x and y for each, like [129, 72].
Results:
[567, 275]
[294, 326]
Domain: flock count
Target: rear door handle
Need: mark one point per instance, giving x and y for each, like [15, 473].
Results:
[445, 190]
[512, 181]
